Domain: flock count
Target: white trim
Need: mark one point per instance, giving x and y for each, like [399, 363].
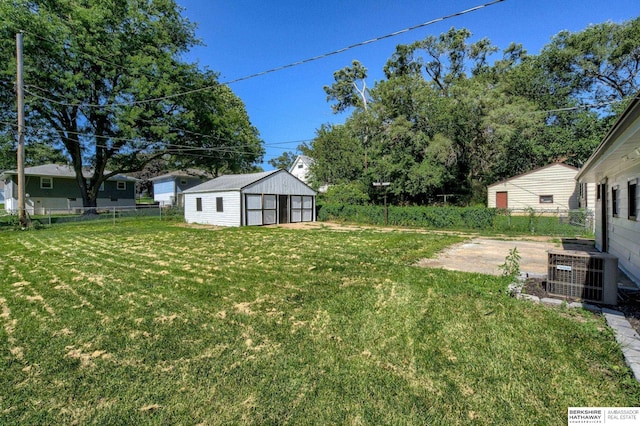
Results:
[43, 179]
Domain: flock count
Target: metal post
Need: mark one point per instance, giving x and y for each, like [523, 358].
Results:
[384, 185]
[22, 213]
[386, 215]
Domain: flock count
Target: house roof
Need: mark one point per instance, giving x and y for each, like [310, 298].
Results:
[533, 171]
[62, 171]
[620, 147]
[184, 173]
[231, 182]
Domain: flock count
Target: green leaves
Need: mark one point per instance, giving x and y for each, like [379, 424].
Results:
[448, 119]
[102, 79]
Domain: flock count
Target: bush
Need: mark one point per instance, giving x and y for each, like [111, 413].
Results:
[427, 217]
[347, 194]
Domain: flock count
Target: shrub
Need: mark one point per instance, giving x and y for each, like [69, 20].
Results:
[428, 217]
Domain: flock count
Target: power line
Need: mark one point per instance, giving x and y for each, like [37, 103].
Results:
[282, 67]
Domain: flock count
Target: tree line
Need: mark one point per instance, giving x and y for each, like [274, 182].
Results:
[454, 115]
[102, 80]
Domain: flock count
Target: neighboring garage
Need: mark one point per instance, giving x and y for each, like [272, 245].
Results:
[548, 188]
[265, 198]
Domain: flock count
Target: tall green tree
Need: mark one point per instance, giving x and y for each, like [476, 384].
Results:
[101, 79]
[283, 161]
[349, 90]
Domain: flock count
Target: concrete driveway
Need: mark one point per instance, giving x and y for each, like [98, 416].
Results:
[485, 255]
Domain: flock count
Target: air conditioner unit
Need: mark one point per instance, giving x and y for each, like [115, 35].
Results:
[583, 275]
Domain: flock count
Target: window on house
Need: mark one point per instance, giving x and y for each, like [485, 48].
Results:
[183, 181]
[300, 166]
[546, 199]
[614, 201]
[598, 186]
[46, 183]
[122, 185]
[633, 200]
[219, 204]
[198, 204]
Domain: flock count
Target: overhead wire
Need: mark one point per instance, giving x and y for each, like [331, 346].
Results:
[279, 68]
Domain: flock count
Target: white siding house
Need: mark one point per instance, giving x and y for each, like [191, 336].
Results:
[265, 198]
[551, 187]
[301, 167]
[168, 188]
[615, 168]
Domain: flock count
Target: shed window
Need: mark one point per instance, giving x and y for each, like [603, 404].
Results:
[546, 199]
[614, 201]
[122, 185]
[300, 166]
[46, 183]
[219, 205]
[198, 204]
[633, 200]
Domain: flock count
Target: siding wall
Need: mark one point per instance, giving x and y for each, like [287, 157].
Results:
[279, 183]
[208, 216]
[65, 195]
[164, 191]
[623, 233]
[524, 191]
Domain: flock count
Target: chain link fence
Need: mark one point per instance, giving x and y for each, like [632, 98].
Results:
[542, 221]
[51, 216]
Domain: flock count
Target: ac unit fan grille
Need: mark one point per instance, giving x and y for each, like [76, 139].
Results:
[579, 277]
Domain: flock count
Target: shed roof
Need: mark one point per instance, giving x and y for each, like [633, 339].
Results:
[231, 182]
[63, 171]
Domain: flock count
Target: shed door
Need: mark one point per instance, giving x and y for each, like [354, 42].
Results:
[502, 200]
[283, 208]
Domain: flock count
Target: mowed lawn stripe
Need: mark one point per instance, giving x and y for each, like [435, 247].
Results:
[156, 323]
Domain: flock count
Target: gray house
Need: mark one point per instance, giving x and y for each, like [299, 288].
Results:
[265, 198]
[168, 188]
[53, 187]
[615, 168]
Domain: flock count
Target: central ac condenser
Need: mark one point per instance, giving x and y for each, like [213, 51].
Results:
[583, 275]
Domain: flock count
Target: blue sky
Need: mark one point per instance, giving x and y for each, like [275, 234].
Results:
[243, 37]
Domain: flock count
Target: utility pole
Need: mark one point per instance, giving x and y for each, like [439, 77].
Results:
[22, 212]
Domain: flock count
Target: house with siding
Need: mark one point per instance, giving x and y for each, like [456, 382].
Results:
[266, 198]
[615, 168]
[301, 167]
[168, 188]
[54, 187]
[552, 187]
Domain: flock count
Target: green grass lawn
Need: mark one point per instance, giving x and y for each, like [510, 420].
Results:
[156, 323]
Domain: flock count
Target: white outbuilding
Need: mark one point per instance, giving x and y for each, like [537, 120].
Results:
[266, 198]
[552, 187]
